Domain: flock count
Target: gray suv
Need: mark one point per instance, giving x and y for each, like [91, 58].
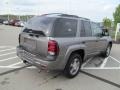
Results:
[62, 42]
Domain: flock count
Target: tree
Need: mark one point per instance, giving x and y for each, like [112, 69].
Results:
[107, 23]
[116, 16]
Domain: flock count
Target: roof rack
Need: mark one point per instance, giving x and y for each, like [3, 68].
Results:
[65, 15]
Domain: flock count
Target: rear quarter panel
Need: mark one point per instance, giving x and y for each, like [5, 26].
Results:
[66, 47]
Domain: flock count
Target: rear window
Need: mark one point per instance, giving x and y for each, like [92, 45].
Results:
[64, 27]
[41, 23]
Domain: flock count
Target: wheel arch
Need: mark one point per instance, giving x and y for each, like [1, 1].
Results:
[81, 52]
[78, 51]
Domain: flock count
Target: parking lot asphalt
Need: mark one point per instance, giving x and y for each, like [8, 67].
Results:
[96, 74]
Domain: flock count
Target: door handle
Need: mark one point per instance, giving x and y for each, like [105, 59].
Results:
[31, 35]
[37, 36]
[83, 42]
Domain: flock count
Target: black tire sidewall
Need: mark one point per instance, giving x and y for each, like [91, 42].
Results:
[67, 68]
[105, 53]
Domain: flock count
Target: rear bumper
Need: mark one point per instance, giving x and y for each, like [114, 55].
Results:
[35, 61]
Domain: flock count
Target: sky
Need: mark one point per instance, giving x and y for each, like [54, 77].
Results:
[93, 9]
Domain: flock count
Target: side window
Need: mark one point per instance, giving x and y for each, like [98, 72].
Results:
[82, 29]
[65, 27]
[96, 30]
[87, 27]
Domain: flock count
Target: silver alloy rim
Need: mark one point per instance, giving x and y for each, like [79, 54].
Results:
[74, 67]
[108, 51]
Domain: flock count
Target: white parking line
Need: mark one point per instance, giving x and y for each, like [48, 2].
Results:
[2, 46]
[7, 53]
[9, 67]
[7, 49]
[6, 46]
[6, 67]
[115, 59]
[104, 63]
[15, 64]
[8, 59]
[86, 62]
[87, 68]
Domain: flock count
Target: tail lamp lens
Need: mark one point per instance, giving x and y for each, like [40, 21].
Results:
[53, 48]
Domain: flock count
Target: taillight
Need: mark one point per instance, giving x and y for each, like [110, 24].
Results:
[19, 38]
[53, 48]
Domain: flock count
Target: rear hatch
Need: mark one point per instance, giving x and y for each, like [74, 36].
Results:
[35, 35]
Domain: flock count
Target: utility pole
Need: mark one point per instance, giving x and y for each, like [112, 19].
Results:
[18, 14]
[8, 16]
[117, 30]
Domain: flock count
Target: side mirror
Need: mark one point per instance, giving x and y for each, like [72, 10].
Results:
[105, 32]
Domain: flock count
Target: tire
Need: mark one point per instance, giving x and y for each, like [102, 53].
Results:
[107, 51]
[73, 66]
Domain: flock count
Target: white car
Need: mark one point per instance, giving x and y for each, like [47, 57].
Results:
[6, 22]
[20, 24]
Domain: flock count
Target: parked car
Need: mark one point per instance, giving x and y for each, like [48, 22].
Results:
[1, 21]
[6, 22]
[61, 42]
[20, 24]
[13, 21]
